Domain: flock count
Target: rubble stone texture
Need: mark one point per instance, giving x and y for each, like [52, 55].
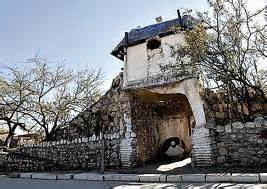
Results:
[126, 129]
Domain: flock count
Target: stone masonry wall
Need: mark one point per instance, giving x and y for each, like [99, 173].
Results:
[78, 154]
[146, 129]
[79, 146]
[240, 144]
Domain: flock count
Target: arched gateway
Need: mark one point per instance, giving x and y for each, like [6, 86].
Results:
[151, 117]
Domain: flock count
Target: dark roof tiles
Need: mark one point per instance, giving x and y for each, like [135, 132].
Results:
[139, 35]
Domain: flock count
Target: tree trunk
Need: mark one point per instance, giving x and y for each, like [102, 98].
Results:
[9, 137]
[8, 140]
[11, 133]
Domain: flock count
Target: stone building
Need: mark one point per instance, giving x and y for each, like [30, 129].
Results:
[148, 114]
[172, 101]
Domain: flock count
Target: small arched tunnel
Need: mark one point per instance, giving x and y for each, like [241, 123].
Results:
[163, 125]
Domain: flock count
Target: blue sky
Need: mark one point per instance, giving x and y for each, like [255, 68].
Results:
[80, 31]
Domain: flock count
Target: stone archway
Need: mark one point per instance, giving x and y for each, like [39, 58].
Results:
[190, 88]
[161, 119]
[200, 138]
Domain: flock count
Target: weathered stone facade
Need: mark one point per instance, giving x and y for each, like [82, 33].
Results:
[239, 144]
[80, 146]
[145, 108]
[80, 153]
[132, 126]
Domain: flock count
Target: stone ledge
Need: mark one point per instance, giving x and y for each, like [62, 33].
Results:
[44, 176]
[95, 177]
[245, 177]
[13, 175]
[130, 177]
[80, 176]
[216, 177]
[26, 175]
[113, 177]
[149, 177]
[65, 176]
[174, 178]
[193, 177]
[263, 177]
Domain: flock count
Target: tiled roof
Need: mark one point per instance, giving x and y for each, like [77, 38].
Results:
[139, 35]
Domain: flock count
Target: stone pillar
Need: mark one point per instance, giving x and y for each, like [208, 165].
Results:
[127, 142]
[202, 151]
[191, 90]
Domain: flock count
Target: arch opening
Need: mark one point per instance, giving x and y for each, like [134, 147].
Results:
[164, 123]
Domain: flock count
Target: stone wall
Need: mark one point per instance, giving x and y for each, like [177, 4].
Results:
[78, 154]
[79, 145]
[239, 144]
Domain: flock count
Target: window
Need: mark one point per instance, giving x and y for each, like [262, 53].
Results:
[153, 44]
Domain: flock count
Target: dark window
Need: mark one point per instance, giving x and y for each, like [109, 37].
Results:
[153, 44]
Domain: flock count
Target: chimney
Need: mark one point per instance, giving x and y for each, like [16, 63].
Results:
[179, 17]
[159, 19]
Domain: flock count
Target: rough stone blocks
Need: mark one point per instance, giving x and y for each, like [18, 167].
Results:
[193, 177]
[245, 177]
[218, 177]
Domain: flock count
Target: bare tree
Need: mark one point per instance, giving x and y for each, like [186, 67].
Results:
[59, 93]
[48, 95]
[226, 48]
[15, 91]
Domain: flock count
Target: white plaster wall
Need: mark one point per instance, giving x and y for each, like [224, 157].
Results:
[190, 88]
[137, 58]
[136, 62]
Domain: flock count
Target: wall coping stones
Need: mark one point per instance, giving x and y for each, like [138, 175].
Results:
[80, 176]
[150, 177]
[26, 175]
[130, 177]
[88, 176]
[95, 177]
[67, 176]
[213, 177]
[218, 177]
[13, 175]
[193, 177]
[163, 178]
[245, 177]
[263, 177]
[117, 177]
[93, 138]
[174, 178]
[44, 176]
